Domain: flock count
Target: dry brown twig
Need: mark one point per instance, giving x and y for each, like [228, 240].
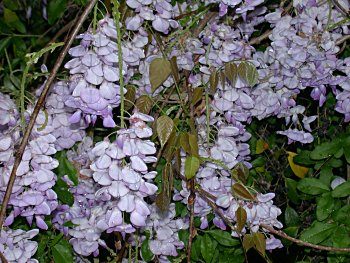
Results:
[38, 106]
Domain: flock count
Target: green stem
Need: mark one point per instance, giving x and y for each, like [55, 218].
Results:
[207, 113]
[137, 246]
[338, 23]
[94, 25]
[23, 83]
[116, 15]
[8, 61]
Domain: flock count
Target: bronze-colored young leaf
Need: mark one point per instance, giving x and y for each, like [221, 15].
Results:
[242, 71]
[240, 172]
[130, 97]
[192, 141]
[189, 143]
[240, 191]
[241, 216]
[174, 69]
[171, 146]
[197, 95]
[248, 242]
[259, 242]
[144, 104]
[165, 126]
[192, 164]
[252, 76]
[231, 72]
[184, 142]
[213, 82]
[261, 146]
[159, 71]
[222, 79]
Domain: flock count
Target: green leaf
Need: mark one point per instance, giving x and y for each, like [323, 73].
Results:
[62, 252]
[196, 248]
[12, 20]
[259, 242]
[346, 147]
[324, 207]
[341, 216]
[65, 167]
[55, 10]
[61, 189]
[326, 149]
[248, 73]
[12, 4]
[184, 235]
[248, 242]
[341, 237]
[231, 72]
[312, 186]
[241, 216]
[223, 238]
[4, 44]
[317, 232]
[159, 71]
[252, 75]
[192, 164]
[303, 158]
[240, 191]
[146, 252]
[292, 190]
[342, 190]
[165, 126]
[291, 217]
[144, 104]
[290, 231]
[208, 246]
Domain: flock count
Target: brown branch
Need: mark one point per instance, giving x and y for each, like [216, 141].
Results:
[342, 40]
[303, 243]
[63, 30]
[3, 259]
[205, 195]
[259, 39]
[37, 107]
[201, 25]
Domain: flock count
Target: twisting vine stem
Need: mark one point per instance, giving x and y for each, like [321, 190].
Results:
[38, 106]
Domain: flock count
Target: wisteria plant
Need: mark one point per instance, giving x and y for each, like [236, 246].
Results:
[175, 131]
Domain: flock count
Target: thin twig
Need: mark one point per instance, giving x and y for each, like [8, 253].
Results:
[342, 40]
[206, 196]
[3, 259]
[202, 24]
[259, 39]
[38, 106]
[303, 243]
[63, 30]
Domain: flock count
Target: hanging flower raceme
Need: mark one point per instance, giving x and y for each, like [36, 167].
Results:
[16, 246]
[120, 168]
[94, 74]
[32, 196]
